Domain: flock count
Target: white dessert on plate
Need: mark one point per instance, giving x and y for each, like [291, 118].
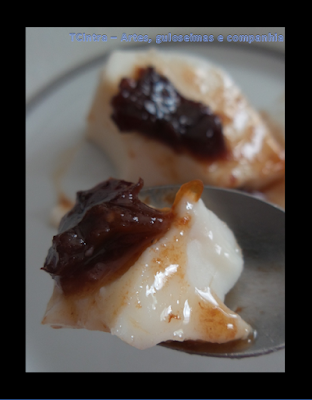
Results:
[254, 158]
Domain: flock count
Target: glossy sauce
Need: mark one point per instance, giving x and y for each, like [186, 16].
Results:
[152, 106]
[205, 348]
[103, 235]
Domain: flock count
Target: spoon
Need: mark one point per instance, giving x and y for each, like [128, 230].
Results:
[259, 294]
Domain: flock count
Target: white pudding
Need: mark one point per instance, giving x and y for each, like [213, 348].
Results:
[174, 291]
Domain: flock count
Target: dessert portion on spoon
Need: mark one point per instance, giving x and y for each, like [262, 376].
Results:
[143, 274]
[174, 117]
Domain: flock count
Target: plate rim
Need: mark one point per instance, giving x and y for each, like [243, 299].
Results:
[74, 71]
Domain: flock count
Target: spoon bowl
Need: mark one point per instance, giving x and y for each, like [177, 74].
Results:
[259, 294]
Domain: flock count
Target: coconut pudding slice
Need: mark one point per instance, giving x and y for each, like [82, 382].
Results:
[172, 117]
[143, 274]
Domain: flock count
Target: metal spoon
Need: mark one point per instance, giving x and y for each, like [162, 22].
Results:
[259, 295]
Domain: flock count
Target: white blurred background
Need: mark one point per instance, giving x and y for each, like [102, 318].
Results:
[50, 52]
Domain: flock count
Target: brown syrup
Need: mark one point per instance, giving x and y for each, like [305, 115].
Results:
[103, 235]
[152, 106]
[205, 348]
